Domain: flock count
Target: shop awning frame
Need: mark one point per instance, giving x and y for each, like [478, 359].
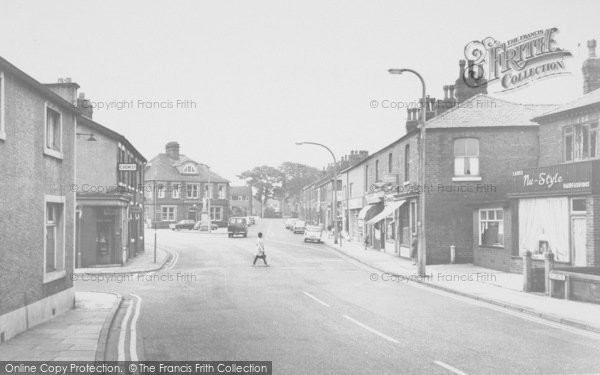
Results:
[369, 211]
[388, 209]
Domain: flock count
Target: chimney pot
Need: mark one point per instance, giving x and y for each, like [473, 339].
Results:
[592, 48]
[81, 95]
[60, 80]
[68, 80]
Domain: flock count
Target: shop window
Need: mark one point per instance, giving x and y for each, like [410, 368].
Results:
[466, 157]
[491, 227]
[578, 205]
[580, 142]
[168, 213]
[54, 239]
[53, 129]
[192, 191]
[390, 232]
[175, 191]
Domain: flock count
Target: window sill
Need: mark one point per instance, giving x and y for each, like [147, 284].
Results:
[491, 247]
[466, 178]
[53, 153]
[54, 275]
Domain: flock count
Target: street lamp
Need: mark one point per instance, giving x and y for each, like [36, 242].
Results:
[334, 187]
[91, 136]
[421, 254]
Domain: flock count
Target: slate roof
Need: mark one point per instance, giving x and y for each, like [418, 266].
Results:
[591, 98]
[483, 110]
[163, 168]
[240, 190]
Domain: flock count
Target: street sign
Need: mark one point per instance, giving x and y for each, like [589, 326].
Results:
[127, 166]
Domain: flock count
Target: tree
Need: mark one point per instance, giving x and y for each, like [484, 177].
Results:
[295, 177]
[266, 182]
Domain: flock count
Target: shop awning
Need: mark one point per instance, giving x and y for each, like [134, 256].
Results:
[369, 211]
[388, 209]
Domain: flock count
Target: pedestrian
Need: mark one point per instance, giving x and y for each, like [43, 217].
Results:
[260, 254]
[415, 248]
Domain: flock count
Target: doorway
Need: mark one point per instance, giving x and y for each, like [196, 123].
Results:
[579, 241]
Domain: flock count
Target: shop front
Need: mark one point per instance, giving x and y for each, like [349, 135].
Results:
[354, 230]
[371, 233]
[385, 225]
[556, 210]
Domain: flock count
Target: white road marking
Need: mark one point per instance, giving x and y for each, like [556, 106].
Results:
[450, 368]
[173, 261]
[123, 333]
[391, 339]
[133, 329]
[316, 299]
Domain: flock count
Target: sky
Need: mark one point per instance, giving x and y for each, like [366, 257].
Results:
[237, 83]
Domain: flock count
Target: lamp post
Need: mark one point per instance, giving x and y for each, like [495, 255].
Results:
[333, 185]
[422, 248]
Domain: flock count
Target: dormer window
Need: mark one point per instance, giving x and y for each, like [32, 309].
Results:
[189, 169]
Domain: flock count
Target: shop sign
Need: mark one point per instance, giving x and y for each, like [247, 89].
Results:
[355, 203]
[127, 166]
[557, 276]
[565, 177]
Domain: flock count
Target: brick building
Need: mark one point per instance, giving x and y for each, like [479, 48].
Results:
[177, 188]
[242, 201]
[555, 203]
[110, 201]
[37, 205]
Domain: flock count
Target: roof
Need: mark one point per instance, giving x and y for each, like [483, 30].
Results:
[589, 99]
[101, 129]
[485, 111]
[39, 87]
[240, 190]
[162, 168]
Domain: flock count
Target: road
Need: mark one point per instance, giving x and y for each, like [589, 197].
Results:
[314, 311]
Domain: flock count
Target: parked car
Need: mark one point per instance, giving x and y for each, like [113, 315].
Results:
[183, 224]
[237, 225]
[204, 228]
[289, 223]
[251, 220]
[299, 227]
[313, 233]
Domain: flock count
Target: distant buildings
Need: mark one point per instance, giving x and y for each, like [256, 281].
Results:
[178, 188]
[242, 201]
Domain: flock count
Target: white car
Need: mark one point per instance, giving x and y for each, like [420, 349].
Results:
[289, 223]
[313, 233]
[299, 226]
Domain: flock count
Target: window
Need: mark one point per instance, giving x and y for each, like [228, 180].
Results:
[161, 190]
[466, 157]
[366, 178]
[216, 213]
[189, 169]
[578, 205]
[222, 191]
[407, 163]
[390, 162]
[192, 191]
[350, 189]
[53, 129]
[54, 239]
[168, 213]
[376, 170]
[580, 142]
[491, 227]
[2, 123]
[175, 190]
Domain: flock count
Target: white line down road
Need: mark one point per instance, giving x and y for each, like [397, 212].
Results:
[316, 299]
[391, 339]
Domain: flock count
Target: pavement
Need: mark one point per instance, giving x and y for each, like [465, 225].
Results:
[77, 335]
[496, 287]
[143, 262]
[316, 311]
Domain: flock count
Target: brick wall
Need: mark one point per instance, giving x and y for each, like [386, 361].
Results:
[449, 207]
[28, 175]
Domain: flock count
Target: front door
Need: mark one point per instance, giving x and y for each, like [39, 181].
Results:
[579, 239]
[105, 244]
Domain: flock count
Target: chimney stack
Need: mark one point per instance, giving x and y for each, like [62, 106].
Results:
[469, 85]
[85, 106]
[172, 149]
[65, 88]
[591, 69]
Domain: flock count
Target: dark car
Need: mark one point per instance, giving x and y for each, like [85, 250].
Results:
[183, 224]
[237, 225]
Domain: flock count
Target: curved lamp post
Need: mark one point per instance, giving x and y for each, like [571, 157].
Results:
[333, 185]
[421, 254]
